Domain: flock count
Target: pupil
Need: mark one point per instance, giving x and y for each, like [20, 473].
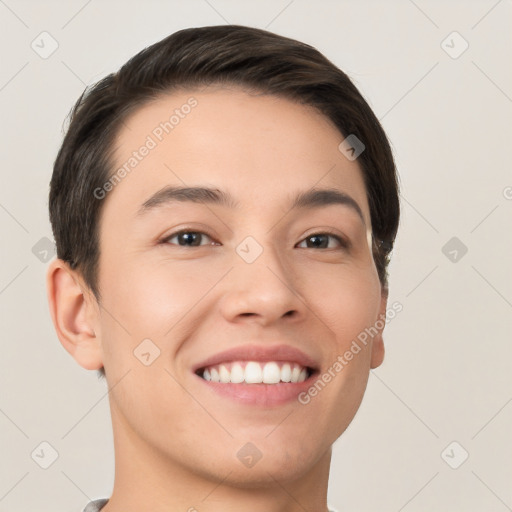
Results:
[316, 237]
[187, 236]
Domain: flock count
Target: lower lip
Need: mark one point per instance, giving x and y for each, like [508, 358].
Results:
[265, 395]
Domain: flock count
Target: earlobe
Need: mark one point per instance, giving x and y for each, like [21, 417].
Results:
[378, 350]
[73, 315]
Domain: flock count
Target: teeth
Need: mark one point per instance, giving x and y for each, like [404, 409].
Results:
[237, 374]
[252, 372]
[286, 373]
[271, 373]
[224, 374]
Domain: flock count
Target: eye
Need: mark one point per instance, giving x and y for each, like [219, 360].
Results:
[319, 240]
[187, 238]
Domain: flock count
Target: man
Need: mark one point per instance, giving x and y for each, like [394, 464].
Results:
[224, 207]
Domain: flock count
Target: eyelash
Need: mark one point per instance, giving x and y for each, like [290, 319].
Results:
[343, 243]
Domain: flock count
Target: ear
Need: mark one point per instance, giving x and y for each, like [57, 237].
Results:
[378, 342]
[75, 314]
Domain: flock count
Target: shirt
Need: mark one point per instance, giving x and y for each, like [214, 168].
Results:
[97, 505]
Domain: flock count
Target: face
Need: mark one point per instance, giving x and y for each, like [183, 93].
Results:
[252, 274]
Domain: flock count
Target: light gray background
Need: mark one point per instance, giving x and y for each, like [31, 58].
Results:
[446, 376]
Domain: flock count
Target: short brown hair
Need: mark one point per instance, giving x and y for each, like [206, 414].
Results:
[195, 57]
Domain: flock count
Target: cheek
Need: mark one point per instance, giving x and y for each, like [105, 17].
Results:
[346, 299]
[150, 298]
[349, 306]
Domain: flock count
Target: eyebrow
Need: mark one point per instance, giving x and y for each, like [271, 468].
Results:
[313, 198]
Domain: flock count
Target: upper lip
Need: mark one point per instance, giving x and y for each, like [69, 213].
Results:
[259, 353]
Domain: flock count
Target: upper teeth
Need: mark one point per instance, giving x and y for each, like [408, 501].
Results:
[252, 372]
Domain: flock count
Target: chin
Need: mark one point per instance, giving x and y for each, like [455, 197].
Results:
[274, 465]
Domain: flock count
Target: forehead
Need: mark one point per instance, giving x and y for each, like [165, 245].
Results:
[260, 148]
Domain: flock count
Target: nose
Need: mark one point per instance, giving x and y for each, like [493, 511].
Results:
[262, 292]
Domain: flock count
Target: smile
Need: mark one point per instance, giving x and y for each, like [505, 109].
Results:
[255, 372]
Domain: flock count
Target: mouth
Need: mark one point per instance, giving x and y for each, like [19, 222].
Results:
[256, 372]
[258, 375]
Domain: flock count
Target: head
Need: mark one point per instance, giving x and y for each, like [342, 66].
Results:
[262, 119]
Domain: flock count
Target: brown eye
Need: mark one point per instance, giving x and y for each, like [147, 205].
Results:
[187, 238]
[321, 241]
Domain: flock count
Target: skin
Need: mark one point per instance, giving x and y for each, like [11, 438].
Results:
[175, 441]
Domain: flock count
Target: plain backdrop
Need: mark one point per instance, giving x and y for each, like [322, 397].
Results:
[433, 431]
